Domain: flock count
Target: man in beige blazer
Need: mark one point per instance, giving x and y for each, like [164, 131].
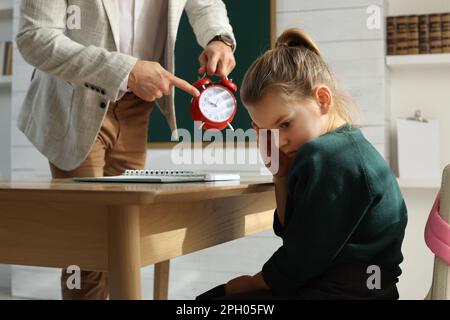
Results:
[99, 65]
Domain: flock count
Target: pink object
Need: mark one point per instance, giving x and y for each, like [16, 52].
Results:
[437, 233]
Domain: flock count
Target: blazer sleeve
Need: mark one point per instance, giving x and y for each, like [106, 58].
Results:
[209, 18]
[328, 204]
[42, 42]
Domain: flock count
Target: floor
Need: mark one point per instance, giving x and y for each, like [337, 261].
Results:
[190, 275]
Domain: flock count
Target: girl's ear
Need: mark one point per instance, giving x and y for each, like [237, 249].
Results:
[322, 94]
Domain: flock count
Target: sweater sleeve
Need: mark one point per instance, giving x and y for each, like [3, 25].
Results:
[277, 227]
[329, 199]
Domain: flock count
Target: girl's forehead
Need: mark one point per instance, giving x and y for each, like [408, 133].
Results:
[269, 117]
[273, 103]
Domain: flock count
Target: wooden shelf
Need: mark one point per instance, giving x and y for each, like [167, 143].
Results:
[422, 60]
[6, 8]
[5, 81]
[419, 183]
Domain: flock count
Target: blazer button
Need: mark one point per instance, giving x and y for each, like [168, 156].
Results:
[86, 85]
[103, 92]
[103, 105]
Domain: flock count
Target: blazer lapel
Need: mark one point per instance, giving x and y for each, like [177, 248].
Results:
[112, 10]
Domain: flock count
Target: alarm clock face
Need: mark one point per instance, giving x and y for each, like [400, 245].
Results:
[217, 104]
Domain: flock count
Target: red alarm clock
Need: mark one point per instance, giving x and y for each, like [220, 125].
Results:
[216, 106]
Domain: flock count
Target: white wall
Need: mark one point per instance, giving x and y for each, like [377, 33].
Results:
[5, 137]
[411, 89]
[5, 102]
[420, 87]
[26, 162]
[406, 7]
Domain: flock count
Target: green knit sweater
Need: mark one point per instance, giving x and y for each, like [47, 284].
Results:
[344, 206]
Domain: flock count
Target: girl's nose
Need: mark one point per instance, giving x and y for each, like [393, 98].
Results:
[282, 142]
[279, 141]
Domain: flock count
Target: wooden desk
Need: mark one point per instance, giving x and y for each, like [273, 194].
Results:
[120, 228]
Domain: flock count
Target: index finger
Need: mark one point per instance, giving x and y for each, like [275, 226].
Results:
[184, 85]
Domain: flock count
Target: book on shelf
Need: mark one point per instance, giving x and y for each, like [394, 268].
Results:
[445, 27]
[435, 33]
[418, 34]
[6, 56]
[402, 35]
[391, 36]
[424, 34]
[413, 25]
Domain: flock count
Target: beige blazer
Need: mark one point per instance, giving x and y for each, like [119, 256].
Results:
[79, 71]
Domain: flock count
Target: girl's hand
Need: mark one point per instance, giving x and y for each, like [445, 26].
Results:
[265, 150]
[246, 284]
[239, 285]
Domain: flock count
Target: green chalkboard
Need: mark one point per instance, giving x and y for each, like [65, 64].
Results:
[251, 21]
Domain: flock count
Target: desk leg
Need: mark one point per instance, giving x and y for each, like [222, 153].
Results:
[161, 281]
[124, 253]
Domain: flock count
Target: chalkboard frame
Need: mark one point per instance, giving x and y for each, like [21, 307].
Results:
[171, 144]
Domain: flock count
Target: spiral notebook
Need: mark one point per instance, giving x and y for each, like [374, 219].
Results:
[163, 176]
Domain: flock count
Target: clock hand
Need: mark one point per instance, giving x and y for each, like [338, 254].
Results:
[213, 104]
[210, 102]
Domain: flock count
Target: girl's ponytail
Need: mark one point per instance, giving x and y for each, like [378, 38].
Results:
[296, 38]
